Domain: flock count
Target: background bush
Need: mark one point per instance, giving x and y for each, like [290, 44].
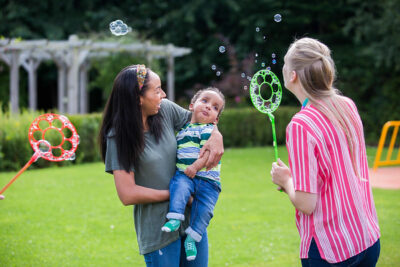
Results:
[241, 127]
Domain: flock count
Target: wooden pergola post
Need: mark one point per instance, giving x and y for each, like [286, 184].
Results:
[170, 74]
[31, 65]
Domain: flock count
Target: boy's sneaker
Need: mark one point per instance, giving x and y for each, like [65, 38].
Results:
[190, 248]
[171, 226]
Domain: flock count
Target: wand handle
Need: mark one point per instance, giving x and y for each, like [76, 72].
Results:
[271, 117]
[33, 159]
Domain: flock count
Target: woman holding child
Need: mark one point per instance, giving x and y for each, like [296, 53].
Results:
[138, 145]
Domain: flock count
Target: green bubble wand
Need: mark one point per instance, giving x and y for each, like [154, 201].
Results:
[261, 83]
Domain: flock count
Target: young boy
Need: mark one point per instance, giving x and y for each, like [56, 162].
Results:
[191, 178]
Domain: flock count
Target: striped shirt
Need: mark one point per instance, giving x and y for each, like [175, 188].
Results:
[344, 222]
[190, 140]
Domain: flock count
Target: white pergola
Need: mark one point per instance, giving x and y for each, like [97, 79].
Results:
[72, 58]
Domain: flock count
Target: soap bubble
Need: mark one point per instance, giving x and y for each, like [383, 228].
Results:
[274, 61]
[245, 87]
[273, 55]
[243, 75]
[213, 67]
[118, 28]
[264, 37]
[263, 64]
[218, 73]
[222, 49]
[268, 68]
[277, 17]
[257, 29]
[256, 55]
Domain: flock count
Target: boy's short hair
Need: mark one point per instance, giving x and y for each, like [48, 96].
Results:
[213, 89]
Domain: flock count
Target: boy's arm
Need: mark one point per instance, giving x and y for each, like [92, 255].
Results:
[199, 164]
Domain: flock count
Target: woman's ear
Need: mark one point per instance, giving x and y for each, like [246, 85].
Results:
[293, 76]
[191, 107]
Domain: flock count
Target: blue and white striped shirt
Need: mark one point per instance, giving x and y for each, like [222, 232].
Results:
[190, 140]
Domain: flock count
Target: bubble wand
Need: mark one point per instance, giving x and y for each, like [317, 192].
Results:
[43, 148]
[260, 83]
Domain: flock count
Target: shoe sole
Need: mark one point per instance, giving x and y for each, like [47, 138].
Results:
[165, 229]
[190, 258]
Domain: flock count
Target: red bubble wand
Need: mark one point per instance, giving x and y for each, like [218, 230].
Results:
[43, 148]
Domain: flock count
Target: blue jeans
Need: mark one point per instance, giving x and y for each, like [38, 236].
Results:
[174, 255]
[367, 258]
[205, 195]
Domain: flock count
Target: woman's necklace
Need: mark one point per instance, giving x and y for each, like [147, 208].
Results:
[304, 103]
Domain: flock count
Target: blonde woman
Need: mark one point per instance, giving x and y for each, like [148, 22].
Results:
[328, 181]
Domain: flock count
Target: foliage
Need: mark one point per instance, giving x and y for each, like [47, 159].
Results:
[363, 35]
[72, 217]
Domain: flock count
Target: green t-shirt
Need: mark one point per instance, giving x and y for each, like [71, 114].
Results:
[156, 168]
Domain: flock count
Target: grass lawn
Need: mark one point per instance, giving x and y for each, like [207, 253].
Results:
[72, 216]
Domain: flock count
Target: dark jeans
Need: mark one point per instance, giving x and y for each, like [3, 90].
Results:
[205, 195]
[367, 258]
[174, 255]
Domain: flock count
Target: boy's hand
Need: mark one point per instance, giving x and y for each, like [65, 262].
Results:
[190, 171]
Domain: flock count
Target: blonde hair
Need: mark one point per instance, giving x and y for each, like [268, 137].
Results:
[315, 69]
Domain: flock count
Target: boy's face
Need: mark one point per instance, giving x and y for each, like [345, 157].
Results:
[206, 108]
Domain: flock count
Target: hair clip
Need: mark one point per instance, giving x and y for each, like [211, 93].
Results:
[141, 73]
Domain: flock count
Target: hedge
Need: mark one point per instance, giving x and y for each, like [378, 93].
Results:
[240, 127]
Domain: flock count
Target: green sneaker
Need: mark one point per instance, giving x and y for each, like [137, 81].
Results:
[171, 226]
[190, 248]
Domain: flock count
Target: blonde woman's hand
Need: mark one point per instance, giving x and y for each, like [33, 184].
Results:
[280, 174]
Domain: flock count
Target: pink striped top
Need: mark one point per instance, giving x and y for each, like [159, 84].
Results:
[344, 222]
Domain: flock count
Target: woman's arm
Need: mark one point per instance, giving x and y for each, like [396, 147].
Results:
[131, 194]
[215, 145]
[303, 201]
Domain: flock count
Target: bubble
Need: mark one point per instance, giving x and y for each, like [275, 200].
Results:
[112, 226]
[118, 28]
[264, 37]
[277, 17]
[256, 55]
[263, 64]
[268, 68]
[213, 67]
[44, 146]
[255, 61]
[273, 55]
[243, 75]
[274, 61]
[218, 73]
[245, 87]
[249, 78]
[257, 29]
[222, 49]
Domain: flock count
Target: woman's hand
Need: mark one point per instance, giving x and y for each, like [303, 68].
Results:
[215, 145]
[280, 174]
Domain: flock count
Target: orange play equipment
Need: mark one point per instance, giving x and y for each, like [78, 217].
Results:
[388, 161]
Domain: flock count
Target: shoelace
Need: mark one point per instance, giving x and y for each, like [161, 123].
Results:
[189, 245]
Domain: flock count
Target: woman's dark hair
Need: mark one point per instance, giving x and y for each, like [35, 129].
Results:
[123, 118]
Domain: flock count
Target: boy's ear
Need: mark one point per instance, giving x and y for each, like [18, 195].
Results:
[216, 121]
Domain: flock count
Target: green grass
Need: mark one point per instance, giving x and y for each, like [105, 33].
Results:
[71, 216]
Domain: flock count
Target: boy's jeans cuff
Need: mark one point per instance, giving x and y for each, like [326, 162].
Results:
[193, 234]
[176, 216]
